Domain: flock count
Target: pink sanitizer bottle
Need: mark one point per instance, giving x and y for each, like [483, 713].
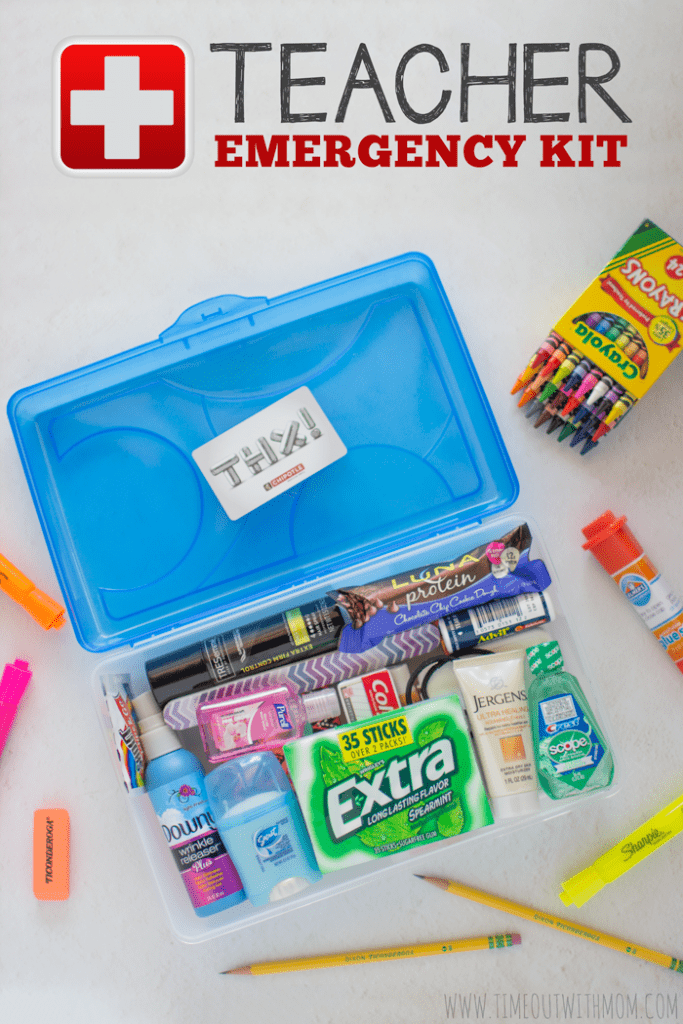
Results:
[261, 720]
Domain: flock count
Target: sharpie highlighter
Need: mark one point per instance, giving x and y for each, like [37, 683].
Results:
[635, 847]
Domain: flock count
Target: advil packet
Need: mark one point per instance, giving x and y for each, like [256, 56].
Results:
[389, 783]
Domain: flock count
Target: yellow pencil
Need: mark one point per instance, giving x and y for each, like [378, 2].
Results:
[373, 956]
[559, 923]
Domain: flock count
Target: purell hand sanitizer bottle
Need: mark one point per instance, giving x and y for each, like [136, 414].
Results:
[174, 779]
[263, 720]
[261, 824]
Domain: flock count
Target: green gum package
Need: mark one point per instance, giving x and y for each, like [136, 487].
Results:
[388, 784]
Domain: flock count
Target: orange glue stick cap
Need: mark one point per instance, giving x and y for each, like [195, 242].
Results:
[51, 854]
[611, 541]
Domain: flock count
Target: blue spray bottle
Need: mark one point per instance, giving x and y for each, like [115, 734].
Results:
[174, 780]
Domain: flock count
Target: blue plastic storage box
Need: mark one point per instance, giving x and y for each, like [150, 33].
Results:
[149, 561]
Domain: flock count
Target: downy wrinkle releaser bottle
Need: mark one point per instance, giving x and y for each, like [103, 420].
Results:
[174, 779]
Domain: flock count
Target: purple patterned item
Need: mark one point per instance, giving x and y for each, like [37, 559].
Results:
[313, 673]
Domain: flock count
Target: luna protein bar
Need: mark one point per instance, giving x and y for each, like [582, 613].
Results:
[499, 569]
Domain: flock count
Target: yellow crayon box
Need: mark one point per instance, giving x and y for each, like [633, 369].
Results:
[629, 320]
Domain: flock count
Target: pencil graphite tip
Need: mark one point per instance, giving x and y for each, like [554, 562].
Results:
[440, 882]
[238, 970]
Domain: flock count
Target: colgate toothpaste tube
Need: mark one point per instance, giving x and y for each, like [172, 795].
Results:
[373, 693]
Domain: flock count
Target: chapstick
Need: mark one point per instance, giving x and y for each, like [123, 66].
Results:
[51, 854]
[620, 554]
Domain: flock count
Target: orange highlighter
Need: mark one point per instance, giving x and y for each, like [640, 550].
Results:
[44, 610]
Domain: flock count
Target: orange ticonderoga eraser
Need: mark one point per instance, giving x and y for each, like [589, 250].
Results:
[51, 854]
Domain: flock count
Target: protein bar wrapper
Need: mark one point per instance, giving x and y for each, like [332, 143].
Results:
[501, 568]
[388, 784]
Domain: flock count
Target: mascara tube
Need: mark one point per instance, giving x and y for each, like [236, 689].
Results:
[484, 623]
[290, 636]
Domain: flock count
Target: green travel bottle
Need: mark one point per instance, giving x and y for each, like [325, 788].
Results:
[571, 753]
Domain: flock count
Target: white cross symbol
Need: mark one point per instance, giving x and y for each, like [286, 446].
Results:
[122, 107]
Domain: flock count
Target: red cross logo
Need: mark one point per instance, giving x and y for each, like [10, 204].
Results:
[123, 106]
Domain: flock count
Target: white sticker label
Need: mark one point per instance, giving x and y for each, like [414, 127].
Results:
[265, 455]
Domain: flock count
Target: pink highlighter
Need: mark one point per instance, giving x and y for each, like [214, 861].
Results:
[262, 720]
[14, 681]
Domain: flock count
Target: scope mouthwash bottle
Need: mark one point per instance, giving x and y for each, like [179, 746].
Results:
[572, 755]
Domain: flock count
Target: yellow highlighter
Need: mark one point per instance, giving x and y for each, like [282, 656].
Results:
[663, 826]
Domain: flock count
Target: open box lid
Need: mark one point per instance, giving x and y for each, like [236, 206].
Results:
[138, 538]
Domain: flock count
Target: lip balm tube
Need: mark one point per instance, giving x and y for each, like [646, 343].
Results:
[487, 622]
[618, 551]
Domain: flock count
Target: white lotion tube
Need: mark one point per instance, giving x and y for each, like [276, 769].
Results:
[494, 692]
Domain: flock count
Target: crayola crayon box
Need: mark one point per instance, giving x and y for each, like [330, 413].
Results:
[628, 321]
[388, 784]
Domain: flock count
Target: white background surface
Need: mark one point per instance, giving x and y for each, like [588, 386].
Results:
[94, 266]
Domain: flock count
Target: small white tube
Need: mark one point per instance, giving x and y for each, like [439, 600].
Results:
[494, 692]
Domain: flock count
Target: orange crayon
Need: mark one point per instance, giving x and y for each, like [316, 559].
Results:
[540, 356]
[545, 374]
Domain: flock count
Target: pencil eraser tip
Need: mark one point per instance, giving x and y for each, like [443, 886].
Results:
[516, 939]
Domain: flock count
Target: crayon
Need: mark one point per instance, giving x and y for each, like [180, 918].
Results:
[539, 358]
[533, 408]
[597, 393]
[600, 410]
[552, 407]
[563, 371]
[567, 430]
[575, 379]
[604, 325]
[615, 415]
[586, 386]
[533, 389]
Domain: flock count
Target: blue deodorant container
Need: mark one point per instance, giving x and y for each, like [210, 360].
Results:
[259, 820]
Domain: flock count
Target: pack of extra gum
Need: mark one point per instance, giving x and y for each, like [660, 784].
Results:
[392, 783]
